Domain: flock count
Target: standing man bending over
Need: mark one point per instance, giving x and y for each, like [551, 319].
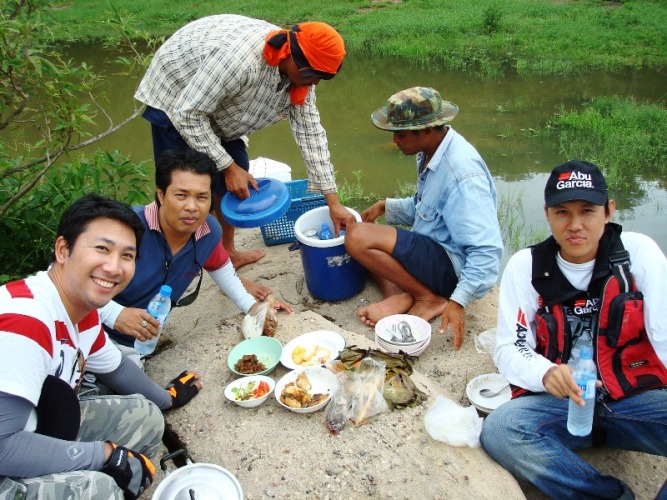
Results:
[452, 254]
[181, 240]
[587, 284]
[53, 445]
[222, 77]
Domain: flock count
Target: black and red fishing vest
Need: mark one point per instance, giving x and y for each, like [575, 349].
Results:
[612, 309]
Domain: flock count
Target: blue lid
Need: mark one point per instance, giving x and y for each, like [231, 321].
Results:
[165, 290]
[261, 208]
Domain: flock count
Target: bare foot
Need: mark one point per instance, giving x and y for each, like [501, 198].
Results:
[260, 292]
[428, 309]
[240, 259]
[395, 304]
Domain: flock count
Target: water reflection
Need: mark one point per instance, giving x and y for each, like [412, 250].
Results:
[493, 116]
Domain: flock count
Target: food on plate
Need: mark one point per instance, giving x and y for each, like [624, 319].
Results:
[249, 364]
[296, 395]
[310, 356]
[251, 390]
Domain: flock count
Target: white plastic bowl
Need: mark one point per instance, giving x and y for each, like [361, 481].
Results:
[322, 380]
[412, 350]
[420, 328]
[251, 379]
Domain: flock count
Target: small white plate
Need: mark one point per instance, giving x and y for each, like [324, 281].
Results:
[321, 380]
[331, 341]
[492, 381]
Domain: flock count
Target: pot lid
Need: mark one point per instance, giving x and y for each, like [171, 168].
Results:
[199, 481]
[261, 208]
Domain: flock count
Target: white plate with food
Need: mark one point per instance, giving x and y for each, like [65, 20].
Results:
[494, 382]
[306, 390]
[312, 349]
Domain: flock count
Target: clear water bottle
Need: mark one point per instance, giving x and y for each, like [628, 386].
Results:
[325, 232]
[159, 308]
[580, 418]
[574, 357]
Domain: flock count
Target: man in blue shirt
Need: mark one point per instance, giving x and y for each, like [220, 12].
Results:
[453, 252]
[181, 241]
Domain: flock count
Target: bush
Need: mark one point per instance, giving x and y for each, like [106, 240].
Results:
[33, 220]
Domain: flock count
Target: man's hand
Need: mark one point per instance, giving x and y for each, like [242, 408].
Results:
[278, 305]
[374, 211]
[340, 216]
[559, 381]
[132, 471]
[237, 180]
[454, 316]
[137, 323]
[183, 388]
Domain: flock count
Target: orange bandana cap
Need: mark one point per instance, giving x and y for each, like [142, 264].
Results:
[314, 46]
[322, 46]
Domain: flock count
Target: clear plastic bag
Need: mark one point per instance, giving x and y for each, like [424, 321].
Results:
[453, 424]
[485, 341]
[359, 396]
[260, 320]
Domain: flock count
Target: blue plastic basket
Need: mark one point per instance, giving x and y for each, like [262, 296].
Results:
[282, 229]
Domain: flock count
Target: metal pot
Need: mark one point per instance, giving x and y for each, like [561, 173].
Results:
[196, 481]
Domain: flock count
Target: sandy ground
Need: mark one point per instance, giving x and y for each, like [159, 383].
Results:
[275, 453]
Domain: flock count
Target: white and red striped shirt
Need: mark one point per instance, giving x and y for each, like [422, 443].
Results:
[38, 339]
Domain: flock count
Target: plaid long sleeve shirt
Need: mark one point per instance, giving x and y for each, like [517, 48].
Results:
[212, 81]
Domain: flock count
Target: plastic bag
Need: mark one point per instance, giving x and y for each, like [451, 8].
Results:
[260, 320]
[452, 424]
[359, 396]
[485, 342]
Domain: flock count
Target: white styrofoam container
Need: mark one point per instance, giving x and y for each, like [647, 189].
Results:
[266, 167]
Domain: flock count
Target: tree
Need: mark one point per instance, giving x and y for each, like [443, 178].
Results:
[47, 105]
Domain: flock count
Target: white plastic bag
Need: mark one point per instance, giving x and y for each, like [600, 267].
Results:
[485, 342]
[260, 320]
[452, 424]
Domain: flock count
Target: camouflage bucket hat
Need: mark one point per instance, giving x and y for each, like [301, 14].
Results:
[414, 109]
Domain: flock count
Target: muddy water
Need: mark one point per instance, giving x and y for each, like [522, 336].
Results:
[496, 115]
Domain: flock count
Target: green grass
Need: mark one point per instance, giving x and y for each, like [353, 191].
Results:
[515, 230]
[488, 36]
[625, 137]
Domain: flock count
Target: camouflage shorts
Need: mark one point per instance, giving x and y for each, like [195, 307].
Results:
[130, 421]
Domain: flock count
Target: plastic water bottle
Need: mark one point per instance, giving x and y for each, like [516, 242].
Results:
[159, 308]
[580, 418]
[325, 232]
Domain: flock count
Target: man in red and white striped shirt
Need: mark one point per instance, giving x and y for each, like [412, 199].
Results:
[50, 332]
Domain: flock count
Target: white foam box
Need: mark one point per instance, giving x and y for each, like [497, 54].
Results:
[266, 167]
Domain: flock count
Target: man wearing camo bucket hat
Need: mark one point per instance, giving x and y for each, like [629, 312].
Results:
[452, 254]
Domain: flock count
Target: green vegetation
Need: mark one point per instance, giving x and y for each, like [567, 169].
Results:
[514, 229]
[490, 36]
[626, 138]
[48, 102]
[46, 105]
[33, 220]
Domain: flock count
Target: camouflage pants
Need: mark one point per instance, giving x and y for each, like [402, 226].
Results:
[130, 421]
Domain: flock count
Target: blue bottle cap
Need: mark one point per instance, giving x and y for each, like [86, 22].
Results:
[261, 208]
[165, 290]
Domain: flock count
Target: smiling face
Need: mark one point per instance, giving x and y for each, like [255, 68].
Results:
[97, 267]
[185, 204]
[578, 226]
